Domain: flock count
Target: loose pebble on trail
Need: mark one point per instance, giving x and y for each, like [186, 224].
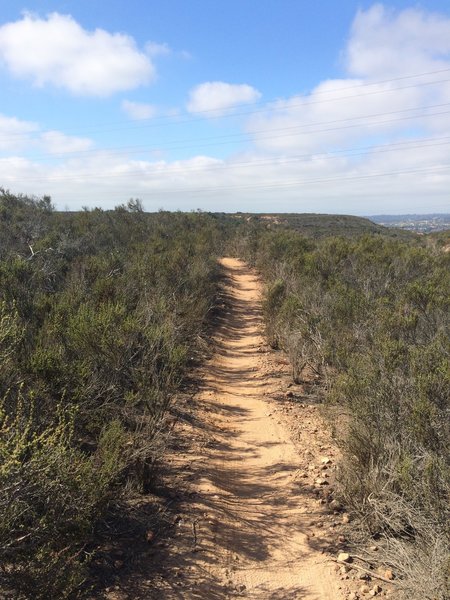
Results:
[250, 523]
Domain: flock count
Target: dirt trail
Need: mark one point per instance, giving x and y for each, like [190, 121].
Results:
[246, 530]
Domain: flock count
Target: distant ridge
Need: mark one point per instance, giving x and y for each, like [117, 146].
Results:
[316, 225]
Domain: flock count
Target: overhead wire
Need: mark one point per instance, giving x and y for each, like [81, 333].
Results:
[239, 137]
[268, 105]
[273, 161]
[350, 122]
[278, 185]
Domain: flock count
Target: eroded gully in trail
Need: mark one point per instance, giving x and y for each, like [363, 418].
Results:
[246, 527]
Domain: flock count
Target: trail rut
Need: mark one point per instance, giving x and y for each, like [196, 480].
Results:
[248, 530]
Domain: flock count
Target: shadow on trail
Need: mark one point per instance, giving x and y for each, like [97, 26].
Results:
[243, 502]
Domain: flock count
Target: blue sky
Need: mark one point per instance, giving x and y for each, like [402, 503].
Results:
[247, 105]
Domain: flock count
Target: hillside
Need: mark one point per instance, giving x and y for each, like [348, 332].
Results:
[322, 225]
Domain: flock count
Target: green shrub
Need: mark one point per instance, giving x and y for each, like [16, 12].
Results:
[372, 314]
[101, 314]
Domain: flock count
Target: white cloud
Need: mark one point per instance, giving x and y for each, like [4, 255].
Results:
[306, 153]
[385, 43]
[336, 113]
[383, 180]
[14, 133]
[155, 50]
[139, 110]
[217, 97]
[55, 142]
[58, 51]
[16, 171]
[24, 136]
[384, 49]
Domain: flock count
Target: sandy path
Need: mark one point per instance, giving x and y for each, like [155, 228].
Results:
[246, 530]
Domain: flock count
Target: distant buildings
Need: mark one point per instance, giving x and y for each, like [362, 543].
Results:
[419, 223]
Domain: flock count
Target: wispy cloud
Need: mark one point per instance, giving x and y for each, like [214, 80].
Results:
[155, 49]
[15, 133]
[139, 110]
[216, 97]
[55, 142]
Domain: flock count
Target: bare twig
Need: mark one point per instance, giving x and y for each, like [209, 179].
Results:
[194, 531]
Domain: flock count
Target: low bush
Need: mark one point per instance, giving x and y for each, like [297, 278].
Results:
[101, 316]
[372, 315]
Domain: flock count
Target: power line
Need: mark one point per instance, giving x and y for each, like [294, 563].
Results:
[163, 120]
[238, 137]
[268, 106]
[320, 93]
[294, 183]
[274, 161]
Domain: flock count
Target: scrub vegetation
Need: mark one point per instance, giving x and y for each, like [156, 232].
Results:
[103, 315]
[369, 316]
